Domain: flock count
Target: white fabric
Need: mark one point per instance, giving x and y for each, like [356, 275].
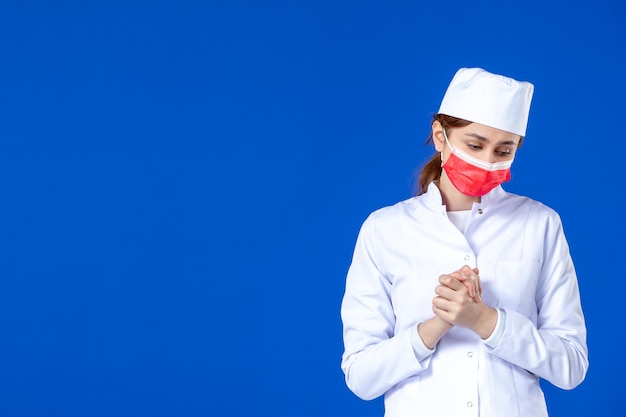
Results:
[489, 99]
[526, 270]
[460, 218]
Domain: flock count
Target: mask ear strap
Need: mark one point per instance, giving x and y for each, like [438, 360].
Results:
[445, 136]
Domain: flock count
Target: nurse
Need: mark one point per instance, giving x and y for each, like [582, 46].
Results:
[459, 300]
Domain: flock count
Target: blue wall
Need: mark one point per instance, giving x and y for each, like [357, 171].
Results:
[182, 184]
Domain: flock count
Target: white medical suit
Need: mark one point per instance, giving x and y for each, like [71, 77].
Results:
[527, 274]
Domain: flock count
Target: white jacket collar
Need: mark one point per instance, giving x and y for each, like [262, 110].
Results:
[432, 197]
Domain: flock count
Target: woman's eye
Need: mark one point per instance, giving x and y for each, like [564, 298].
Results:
[473, 147]
[504, 153]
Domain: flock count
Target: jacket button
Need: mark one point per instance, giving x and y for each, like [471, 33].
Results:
[470, 354]
[470, 404]
[480, 211]
[466, 257]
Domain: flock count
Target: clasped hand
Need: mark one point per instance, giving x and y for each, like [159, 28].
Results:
[458, 299]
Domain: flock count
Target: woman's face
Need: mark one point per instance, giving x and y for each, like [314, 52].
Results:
[480, 141]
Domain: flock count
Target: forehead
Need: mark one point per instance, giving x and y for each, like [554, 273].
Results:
[487, 134]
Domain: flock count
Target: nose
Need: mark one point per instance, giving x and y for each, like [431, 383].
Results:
[492, 159]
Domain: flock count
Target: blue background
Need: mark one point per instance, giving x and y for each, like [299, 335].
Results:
[182, 184]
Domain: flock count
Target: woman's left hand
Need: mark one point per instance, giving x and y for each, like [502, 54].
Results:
[470, 278]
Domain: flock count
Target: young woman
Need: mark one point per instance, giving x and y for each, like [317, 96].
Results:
[460, 299]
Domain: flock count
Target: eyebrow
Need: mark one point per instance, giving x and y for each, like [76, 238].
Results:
[484, 139]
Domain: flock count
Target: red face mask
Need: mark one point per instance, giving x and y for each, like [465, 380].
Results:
[473, 176]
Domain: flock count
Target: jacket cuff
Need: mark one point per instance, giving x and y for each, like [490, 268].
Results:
[419, 348]
[496, 336]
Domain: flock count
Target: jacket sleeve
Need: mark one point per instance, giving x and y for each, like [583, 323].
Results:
[555, 349]
[375, 358]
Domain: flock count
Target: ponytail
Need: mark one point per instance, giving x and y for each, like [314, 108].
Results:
[429, 173]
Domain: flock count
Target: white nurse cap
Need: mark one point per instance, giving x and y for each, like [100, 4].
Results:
[489, 99]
